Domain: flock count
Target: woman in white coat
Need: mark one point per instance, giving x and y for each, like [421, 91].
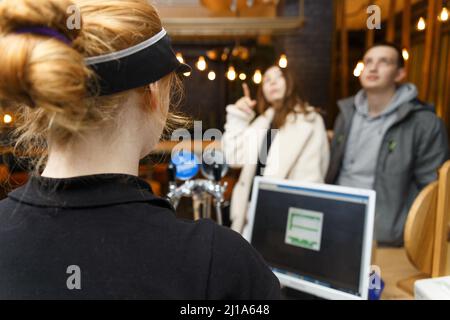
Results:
[288, 140]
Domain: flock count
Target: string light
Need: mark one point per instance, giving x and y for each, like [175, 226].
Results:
[257, 77]
[201, 63]
[357, 73]
[212, 54]
[405, 54]
[211, 75]
[358, 69]
[360, 65]
[444, 15]
[242, 76]
[231, 74]
[180, 57]
[7, 118]
[283, 62]
[421, 24]
[187, 74]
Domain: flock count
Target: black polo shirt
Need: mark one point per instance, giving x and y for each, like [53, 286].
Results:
[107, 236]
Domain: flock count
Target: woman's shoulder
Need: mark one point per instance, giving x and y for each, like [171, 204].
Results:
[226, 247]
[237, 270]
[308, 113]
[208, 230]
[223, 242]
[207, 234]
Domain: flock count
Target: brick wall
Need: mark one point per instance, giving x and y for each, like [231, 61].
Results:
[309, 50]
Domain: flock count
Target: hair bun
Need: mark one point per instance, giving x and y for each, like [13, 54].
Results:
[35, 71]
[60, 15]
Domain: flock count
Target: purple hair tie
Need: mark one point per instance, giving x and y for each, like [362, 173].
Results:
[44, 31]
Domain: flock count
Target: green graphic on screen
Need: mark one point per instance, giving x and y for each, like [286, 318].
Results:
[304, 229]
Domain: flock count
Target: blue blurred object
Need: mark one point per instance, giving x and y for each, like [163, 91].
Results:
[186, 163]
[376, 286]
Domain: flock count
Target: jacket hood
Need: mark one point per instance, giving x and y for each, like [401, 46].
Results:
[404, 103]
[405, 93]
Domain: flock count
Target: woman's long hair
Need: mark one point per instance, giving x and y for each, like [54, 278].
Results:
[291, 103]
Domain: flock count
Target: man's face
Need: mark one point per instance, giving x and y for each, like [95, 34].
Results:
[381, 69]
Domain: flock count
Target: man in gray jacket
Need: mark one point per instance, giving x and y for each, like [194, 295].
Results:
[387, 140]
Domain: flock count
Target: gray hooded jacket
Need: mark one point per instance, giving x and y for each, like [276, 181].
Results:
[397, 160]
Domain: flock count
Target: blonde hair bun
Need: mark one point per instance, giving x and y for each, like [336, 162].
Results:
[39, 70]
[54, 14]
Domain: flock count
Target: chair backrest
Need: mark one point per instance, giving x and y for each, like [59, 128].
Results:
[427, 226]
[420, 229]
[442, 220]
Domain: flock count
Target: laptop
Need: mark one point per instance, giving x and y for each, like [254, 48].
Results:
[317, 239]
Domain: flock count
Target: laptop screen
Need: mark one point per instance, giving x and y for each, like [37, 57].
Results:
[310, 234]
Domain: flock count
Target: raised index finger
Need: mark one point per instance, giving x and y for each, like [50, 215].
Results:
[246, 90]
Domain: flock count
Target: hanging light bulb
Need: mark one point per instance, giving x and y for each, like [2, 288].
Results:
[180, 57]
[283, 62]
[242, 76]
[443, 16]
[211, 75]
[360, 65]
[257, 77]
[7, 118]
[357, 73]
[358, 69]
[211, 54]
[201, 63]
[405, 54]
[421, 24]
[187, 74]
[231, 74]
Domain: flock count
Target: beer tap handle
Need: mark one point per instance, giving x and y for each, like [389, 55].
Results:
[219, 217]
[172, 171]
[217, 171]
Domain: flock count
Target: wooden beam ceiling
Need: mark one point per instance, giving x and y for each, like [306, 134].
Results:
[204, 18]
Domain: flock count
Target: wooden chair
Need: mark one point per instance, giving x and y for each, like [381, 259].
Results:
[426, 231]
[442, 231]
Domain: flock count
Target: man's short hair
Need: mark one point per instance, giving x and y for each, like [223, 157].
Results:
[401, 60]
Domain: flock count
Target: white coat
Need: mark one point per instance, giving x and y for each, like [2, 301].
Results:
[300, 151]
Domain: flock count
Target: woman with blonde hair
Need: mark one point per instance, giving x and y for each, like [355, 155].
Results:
[95, 100]
[287, 140]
